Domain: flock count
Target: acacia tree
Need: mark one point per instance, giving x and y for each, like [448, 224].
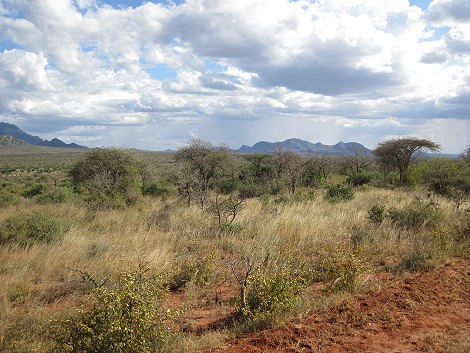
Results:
[397, 153]
[202, 163]
[110, 177]
[291, 164]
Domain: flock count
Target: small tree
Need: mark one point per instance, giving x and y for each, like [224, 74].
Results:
[466, 154]
[202, 163]
[397, 153]
[109, 177]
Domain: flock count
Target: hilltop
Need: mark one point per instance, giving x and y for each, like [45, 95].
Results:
[15, 132]
[305, 147]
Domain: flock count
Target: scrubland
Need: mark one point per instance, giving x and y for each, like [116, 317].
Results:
[162, 272]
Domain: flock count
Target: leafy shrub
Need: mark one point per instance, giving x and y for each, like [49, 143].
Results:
[416, 261]
[413, 216]
[33, 190]
[8, 198]
[30, 228]
[194, 269]
[231, 228]
[359, 179]
[338, 193]
[342, 271]
[376, 214]
[54, 195]
[269, 294]
[127, 317]
[308, 195]
[158, 189]
[109, 177]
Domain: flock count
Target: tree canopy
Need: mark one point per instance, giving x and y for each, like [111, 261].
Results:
[397, 153]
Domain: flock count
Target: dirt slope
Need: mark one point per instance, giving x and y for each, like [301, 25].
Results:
[420, 312]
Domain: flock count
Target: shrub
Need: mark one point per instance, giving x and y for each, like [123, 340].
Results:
[342, 271]
[33, 190]
[110, 178]
[8, 198]
[360, 179]
[413, 216]
[268, 295]
[376, 214]
[127, 317]
[54, 195]
[30, 228]
[158, 189]
[338, 193]
[198, 270]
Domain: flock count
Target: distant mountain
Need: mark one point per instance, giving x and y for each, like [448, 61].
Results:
[14, 131]
[305, 147]
[10, 141]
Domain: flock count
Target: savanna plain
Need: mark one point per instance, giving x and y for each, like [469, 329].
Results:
[202, 250]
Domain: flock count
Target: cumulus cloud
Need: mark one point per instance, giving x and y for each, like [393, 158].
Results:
[238, 66]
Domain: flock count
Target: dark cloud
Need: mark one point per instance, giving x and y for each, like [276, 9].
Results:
[433, 58]
[449, 10]
[325, 80]
[457, 45]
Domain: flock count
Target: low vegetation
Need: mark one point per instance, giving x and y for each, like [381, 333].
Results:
[119, 251]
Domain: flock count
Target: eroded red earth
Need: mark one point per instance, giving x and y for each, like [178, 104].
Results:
[419, 312]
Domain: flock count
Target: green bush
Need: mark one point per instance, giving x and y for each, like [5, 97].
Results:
[342, 271]
[376, 214]
[8, 198]
[127, 317]
[33, 190]
[54, 195]
[360, 179]
[30, 228]
[269, 294]
[413, 216]
[338, 193]
[110, 178]
[161, 189]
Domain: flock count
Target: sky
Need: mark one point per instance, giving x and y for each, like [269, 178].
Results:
[154, 74]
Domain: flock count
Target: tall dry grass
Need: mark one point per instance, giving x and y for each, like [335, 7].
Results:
[43, 282]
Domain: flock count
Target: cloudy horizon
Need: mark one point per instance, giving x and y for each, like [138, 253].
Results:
[152, 75]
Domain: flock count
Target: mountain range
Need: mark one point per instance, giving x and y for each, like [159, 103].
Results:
[11, 135]
[305, 147]
[11, 130]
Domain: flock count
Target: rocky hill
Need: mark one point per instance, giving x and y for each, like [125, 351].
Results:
[305, 147]
[14, 131]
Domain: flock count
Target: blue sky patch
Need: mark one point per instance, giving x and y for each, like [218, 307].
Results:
[8, 45]
[213, 66]
[161, 72]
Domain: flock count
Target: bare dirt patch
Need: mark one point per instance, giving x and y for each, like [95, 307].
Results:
[419, 312]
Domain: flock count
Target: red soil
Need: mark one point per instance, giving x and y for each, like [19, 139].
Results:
[420, 312]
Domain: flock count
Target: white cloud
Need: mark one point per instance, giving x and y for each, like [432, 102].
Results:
[342, 65]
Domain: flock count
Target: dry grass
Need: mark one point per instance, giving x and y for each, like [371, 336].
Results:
[41, 282]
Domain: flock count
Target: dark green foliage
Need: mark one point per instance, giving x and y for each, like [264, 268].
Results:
[33, 190]
[109, 177]
[126, 318]
[360, 179]
[397, 153]
[31, 228]
[413, 216]
[339, 192]
[8, 198]
[160, 188]
[447, 177]
[226, 185]
[54, 195]
[376, 214]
